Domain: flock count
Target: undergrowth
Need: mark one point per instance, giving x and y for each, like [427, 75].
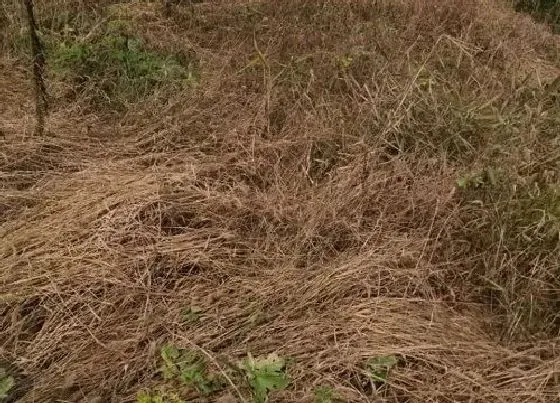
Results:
[186, 370]
[115, 68]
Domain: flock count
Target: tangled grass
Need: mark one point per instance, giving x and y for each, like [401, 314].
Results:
[348, 180]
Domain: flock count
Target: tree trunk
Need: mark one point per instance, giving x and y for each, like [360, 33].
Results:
[38, 54]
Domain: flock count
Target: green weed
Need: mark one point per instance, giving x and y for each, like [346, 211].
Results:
[190, 368]
[265, 375]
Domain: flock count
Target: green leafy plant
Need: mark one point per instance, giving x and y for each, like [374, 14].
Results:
[378, 368]
[6, 384]
[265, 375]
[190, 368]
[324, 394]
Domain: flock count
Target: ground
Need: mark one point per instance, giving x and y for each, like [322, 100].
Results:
[289, 200]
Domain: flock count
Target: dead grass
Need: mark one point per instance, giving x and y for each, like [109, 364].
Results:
[309, 181]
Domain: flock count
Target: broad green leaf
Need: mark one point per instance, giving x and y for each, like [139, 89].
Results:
[265, 375]
[190, 368]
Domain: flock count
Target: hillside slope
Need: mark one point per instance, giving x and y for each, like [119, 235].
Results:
[369, 190]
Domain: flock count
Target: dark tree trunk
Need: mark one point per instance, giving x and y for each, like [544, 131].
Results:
[38, 54]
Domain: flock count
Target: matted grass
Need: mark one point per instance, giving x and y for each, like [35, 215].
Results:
[368, 191]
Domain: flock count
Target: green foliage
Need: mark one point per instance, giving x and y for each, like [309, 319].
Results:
[265, 375]
[324, 394]
[117, 67]
[190, 368]
[6, 384]
[378, 368]
[157, 397]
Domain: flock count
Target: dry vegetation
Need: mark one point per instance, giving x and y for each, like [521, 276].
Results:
[333, 181]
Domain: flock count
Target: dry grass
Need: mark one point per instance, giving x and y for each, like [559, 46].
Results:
[308, 180]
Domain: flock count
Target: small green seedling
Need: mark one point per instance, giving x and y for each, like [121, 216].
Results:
[265, 375]
[324, 394]
[190, 368]
[378, 368]
[6, 384]
[191, 314]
